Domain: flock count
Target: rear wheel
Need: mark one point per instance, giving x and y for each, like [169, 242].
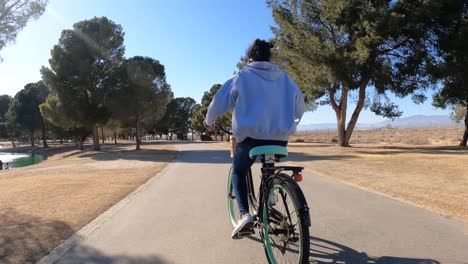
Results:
[285, 233]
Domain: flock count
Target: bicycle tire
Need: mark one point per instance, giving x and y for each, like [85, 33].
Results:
[283, 183]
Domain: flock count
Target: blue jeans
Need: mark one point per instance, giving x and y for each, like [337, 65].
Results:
[240, 168]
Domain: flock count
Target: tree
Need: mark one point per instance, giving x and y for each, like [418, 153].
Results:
[4, 105]
[458, 113]
[14, 14]
[179, 116]
[451, 66]
[24, 109]
[53, 112]
[81, 69]
[140, 85]
[334, 48]
[162, 126]
[113, 124]
[197, 119]
[199, 114]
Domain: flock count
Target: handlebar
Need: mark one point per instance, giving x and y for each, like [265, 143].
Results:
[224, 130]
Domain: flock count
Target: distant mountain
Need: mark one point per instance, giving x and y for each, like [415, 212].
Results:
[406, 122]
[419, 121]
[322, 126]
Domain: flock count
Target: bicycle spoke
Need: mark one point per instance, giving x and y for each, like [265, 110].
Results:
[283, 196]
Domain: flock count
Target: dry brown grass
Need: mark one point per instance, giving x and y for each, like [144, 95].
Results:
[437, 136]
[432, 177]
[44, 204]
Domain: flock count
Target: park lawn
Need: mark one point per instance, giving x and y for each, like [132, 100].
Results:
[44, 204]
[435, 178]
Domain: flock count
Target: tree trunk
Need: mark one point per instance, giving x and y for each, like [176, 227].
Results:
[353, 121]
[341, 117]
[81, 141]
[345, 132]
[465, 135]
[13, 143]
[170, 136]
[115, 135]
[32, 138]
[96, 139]
[102, 133]
[138, 136]
[43, 129]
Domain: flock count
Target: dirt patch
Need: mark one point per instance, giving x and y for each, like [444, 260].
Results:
[44, 204]
[436, 136]
[435, 178]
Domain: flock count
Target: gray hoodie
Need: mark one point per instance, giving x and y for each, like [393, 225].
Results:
[267, 103]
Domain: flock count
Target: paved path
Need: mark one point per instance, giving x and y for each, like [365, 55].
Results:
[180, 216]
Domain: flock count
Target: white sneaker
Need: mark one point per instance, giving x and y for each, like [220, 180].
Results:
[246, 223]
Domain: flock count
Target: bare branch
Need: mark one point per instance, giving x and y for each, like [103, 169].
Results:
[403, 42]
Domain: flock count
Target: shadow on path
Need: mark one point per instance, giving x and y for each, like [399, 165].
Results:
[84, 254]
[324, 251]
[327, 252]
[26, 239]
[223, 157]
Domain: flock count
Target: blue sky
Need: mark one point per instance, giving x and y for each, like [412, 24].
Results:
[199, 42]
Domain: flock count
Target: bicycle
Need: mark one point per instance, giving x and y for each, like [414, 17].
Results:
[282, 237]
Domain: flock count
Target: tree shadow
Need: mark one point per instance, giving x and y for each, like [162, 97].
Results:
[310, 145]
[300, 156]
[120, 153]
[205, 156]
[395, 150]
[223, 157]
[324, 251]
[327, 252]
[26, 238]
[84, 254]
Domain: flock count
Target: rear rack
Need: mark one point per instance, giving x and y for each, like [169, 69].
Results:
[289, 168]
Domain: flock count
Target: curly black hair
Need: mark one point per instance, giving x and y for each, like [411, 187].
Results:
[259, 50]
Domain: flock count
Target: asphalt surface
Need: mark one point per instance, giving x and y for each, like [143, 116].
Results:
[180, 216]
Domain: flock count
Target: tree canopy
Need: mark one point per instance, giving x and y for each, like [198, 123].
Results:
[14, 14]
[140, 85]
[4, 105]
[451, 65]
[332, 48]
[81, 68]
[24, 109]
[199, 114]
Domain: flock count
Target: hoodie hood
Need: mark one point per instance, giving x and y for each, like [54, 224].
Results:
[264, 69]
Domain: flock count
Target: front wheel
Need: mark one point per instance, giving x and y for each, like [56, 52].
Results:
[286, 223]
[233, 210]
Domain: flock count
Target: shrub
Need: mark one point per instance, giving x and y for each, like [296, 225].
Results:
[206, 138]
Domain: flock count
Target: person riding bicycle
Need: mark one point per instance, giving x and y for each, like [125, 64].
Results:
[267, 103]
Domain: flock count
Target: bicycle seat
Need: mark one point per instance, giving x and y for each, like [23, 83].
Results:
[278, 151]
